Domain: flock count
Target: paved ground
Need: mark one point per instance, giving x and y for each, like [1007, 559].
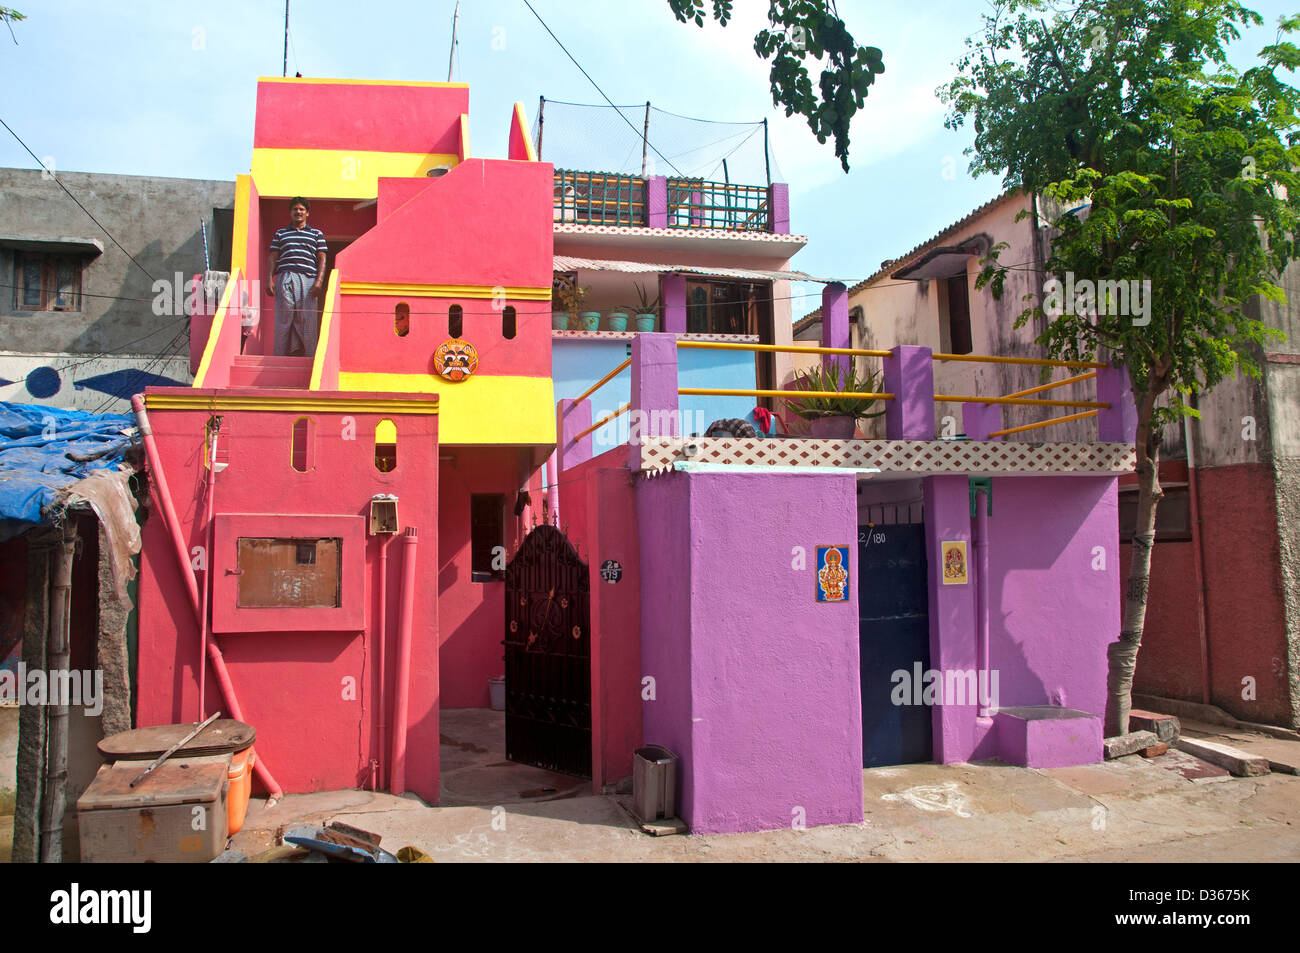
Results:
[1126, 810]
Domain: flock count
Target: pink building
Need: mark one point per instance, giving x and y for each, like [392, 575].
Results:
[342, 544]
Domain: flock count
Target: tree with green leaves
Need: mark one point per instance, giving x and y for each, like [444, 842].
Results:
[800, 29]
[9, 16]
[1169, 167]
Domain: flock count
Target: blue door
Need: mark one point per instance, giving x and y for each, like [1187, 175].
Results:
[893, 636]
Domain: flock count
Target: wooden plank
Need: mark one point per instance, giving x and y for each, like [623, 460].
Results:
[1236, 761]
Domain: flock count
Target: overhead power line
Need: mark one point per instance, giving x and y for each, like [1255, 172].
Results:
[75, 199]
[639, 132]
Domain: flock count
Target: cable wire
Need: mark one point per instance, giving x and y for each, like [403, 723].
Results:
[75, 199]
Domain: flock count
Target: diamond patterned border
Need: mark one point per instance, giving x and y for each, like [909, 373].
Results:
[629, 335]
[896, 456]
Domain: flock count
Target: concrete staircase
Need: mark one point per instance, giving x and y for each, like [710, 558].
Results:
[265, 370]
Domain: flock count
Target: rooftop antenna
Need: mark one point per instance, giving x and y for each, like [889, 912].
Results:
[285, 71]
[451, 56]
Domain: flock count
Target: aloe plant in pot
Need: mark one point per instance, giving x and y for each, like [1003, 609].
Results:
[835, 417]
[647, 309]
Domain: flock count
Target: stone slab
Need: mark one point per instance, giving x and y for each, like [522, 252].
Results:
[1234, 760]
[1131, 743]
[1166, 727]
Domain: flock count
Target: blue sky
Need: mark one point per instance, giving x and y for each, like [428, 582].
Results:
[168, 88]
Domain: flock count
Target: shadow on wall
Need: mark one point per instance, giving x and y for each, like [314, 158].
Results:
[1054, 598]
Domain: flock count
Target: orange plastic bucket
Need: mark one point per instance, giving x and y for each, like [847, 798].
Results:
[241, 786]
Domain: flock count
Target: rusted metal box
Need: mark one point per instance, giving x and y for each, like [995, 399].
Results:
[175, 815]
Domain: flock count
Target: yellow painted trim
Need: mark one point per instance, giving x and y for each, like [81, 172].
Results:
[315, 80]
[500, 409]
[464, 136]
[243, 200]
[401, 290]
[214, 332]
[385, 431]
[322, 340]
[294, 403]
[525, 132]
[337, 173]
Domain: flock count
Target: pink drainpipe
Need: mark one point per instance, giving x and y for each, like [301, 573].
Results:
[207, 567]
[553, 483]
[397, 770]
[381, 624]
[982, 680]
[219, 670]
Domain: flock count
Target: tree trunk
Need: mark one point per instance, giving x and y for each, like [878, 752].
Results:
[56, 768]
[1122, 655]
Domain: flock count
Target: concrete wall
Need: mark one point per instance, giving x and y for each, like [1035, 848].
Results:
[1052, 607]
[291, 666]
[98, 385]
[756, 684]
[155, 219]
[598, 505]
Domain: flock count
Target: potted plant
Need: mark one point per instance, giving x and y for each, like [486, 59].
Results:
[568, 299]
[835, 417]
[617, 320]
[647, 310]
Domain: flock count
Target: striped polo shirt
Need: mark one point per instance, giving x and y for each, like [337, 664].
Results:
[297, 249]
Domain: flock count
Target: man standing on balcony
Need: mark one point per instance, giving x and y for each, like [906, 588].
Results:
[297, 266]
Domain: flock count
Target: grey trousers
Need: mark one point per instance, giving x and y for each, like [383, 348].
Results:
[295, 315]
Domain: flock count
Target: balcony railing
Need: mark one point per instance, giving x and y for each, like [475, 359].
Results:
[695, 203]
[599, 198]
[608, 198]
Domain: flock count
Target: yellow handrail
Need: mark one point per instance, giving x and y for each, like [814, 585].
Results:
[323, 339]
[1043, 423]
[1021, 401]
[1040, 362]
[1061, 383]
[604, 380]
[728, 392]
[727, 346]
[600, 423]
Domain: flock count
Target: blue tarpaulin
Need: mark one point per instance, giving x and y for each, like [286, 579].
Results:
[34, 464]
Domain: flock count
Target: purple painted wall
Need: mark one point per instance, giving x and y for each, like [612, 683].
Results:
[1052, 613]
[663, 506]
[757, 685]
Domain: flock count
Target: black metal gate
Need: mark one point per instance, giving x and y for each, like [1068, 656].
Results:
[548, 655]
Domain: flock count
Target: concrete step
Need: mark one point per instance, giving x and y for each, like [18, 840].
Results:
[261, 370]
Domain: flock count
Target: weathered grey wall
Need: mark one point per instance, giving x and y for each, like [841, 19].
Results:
[155, 219]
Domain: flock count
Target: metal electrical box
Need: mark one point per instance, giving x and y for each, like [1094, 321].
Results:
[383, 515]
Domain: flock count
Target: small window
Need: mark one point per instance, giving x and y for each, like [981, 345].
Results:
[956, 317]
[302, 450]
[508, 323]
[487, 537]
[47, 282]
[455, 321]
[1173, 515]
[402, 320]
[296, 573]
[385, 446]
